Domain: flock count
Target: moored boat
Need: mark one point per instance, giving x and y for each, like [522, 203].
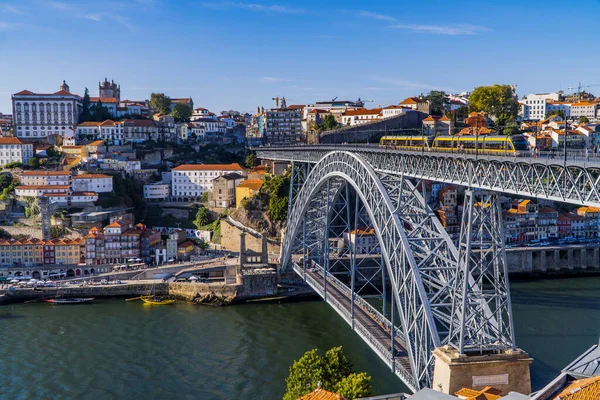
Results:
[70, 300]
[156, 301]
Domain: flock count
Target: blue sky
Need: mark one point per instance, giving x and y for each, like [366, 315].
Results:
[238, 55]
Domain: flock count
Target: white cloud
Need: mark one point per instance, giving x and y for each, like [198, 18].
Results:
[252, 6]
[451, 30]
[60, 5]
[368, 14]
[104, 16]
[7, 8]
[274, 79]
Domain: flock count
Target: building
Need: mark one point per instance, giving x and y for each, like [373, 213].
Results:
[535, 106]
[173, 241]
[393, 111]
[584, 109]
[157, 191]
[99, 183]
[365, 240]
[72, 198]
[591, 221]
[39, 115]
[361, 116]
[449, 220]
[121, 242]
[190, 181]
[223, 192]
[23, 191]
[434, 126]
[185, 250]
[13, 149]
[45, 178]
[108, 131]
[74, 151]
[281, 126]
[106, 89]
[149, 240]
[448, 196]
[246, 190]
[30, 252]
[185, 100]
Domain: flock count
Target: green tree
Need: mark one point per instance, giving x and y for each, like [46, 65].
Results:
[85, 109]
[438, 100]
[251, 160]
[355, 386]
[496, 100]
[560, 113]
[278, 208]
[204, 197]
[511, 130]
[202, 217]
[585, 120]
[13, 164]
[33, 162]
[203, 244]
[182, 113]
[100, 113]
[305, 375]
[329, 122]
[160, 102]
[5, 180]
[332, 371]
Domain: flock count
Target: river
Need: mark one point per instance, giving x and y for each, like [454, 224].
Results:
[124, 350]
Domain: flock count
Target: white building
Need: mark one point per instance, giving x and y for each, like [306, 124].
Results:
[392, 111]
[554, 106]
[46, 178]
[583, 109]
[157, 191]
[39, 191]
[202, 113]
[13, 149]
[99, 183]
[361, 116]
[534, 106]
[110, 103]
[39, 115]
[71, 198]
[192, 180]
[365, 239]
[108, 130]
[210, 125]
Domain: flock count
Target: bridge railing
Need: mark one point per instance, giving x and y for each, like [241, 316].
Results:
[580, 155]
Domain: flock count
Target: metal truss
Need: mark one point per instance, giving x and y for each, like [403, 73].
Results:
[418, 258]
[572, 182]
[482, 314]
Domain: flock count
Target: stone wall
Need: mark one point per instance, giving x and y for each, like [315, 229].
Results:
[128, 290]
[369, 132]
[563, 259]
[230, 239]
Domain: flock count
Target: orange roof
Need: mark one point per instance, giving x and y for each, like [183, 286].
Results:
[24, 92]
[444, 118]
[84, 194]
[89, 123]
[487, 393]
[38, 187]
[583, 104]
[363, 111]
[254, 184]
[370, 231]
[209, 167]
[46, 173]
[96, 143]
[91, 176]
[185, 244]
[182, 100]
[10, 140]
[117, 224]
[581, 389]
[108, 122]
[72, 147]
[411, 100]
[295, 106]
[103, 99]
[322, 394]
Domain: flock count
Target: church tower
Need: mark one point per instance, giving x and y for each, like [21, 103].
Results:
[109, 89]
[64, 86]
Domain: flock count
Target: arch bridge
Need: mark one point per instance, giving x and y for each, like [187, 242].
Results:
[362, 235]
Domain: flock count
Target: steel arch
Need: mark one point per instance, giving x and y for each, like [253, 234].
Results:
[409, 293]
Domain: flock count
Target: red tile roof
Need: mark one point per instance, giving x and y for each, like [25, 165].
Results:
[209, 167]
[103, 99]
[91, 176]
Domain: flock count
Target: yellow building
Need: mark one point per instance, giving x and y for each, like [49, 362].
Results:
[184, 250]
[75, 151]
[246, 189]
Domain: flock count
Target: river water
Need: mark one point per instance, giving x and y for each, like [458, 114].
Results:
[124, 350]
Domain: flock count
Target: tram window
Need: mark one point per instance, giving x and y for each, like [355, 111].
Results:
[520, 145]
[496, 145]
[443, 143]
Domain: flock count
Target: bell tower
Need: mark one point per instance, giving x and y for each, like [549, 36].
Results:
[64, 86]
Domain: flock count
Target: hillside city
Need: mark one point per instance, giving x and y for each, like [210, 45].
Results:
[110, 180]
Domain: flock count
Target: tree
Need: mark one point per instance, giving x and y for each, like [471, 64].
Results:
[85, 110]
[329, 122]
[182, 113]
[496, 100]
[160, 103]
[438, 101]
[13, 164]
[100, 113]
[202, 217]
[5, 180]
[204, 196]
[560, 113]
[355, 386]
[278, 208]
[585, 120]
[203, 244]
[332, 371]
[33, 162]
[251, 160]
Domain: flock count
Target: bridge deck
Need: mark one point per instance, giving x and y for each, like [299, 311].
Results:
[366, 322]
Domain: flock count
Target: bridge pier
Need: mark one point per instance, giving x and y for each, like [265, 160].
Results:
[507, 371]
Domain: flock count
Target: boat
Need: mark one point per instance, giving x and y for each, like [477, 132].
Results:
[70, 300]
[156, 301]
